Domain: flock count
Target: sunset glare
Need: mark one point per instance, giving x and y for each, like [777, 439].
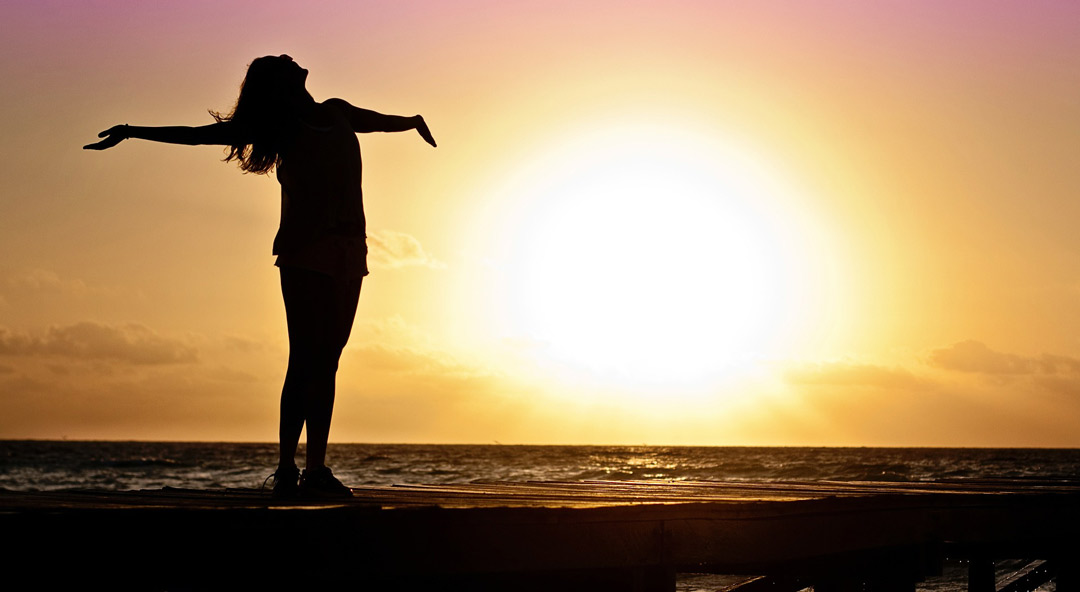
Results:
[651, 255]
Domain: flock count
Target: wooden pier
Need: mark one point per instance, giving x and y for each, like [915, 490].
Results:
[547, 536]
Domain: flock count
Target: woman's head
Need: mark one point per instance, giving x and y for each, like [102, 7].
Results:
[275, 77]
[271, 99]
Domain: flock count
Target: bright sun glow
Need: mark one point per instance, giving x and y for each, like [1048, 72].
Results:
[651, 256]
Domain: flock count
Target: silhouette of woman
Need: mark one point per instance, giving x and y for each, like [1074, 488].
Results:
[320, 246]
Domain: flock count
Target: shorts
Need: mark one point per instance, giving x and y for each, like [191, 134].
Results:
[342, 257]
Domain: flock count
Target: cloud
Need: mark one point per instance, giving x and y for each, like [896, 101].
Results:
[414, 361]
[43, 280]
[391, 357]
[975, 357]
[227, 374]
[132, 343]
[30, 289]
[394, 349]
[16, 343]
[852, 374]
[247, 345]
[38, 282]
[390, 249]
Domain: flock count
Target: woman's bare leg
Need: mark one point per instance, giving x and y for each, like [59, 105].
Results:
[292, 414]
[320, 311]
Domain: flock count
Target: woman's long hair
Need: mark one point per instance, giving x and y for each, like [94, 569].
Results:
[266, 112]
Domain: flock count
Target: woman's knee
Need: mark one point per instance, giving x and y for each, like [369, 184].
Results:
[313, 363]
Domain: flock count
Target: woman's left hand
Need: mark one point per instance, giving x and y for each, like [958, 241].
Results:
[425, 133]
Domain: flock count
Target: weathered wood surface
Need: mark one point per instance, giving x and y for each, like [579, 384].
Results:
[442, 532]
[547, 494]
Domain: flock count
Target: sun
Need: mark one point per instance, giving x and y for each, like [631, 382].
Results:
[651, 256]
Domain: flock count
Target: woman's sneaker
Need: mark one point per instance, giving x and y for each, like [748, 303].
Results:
[321, 483]
[286, 483]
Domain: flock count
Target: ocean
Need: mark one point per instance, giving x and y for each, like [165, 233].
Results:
[44, 465]
[49, 465]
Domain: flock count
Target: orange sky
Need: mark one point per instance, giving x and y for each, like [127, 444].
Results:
[775, 223]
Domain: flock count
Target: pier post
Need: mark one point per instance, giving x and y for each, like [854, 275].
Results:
[981, 575]
[1068, 573]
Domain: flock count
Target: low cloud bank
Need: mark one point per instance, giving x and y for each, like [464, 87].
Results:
[132, 343]
[975, 357]
[391, 249]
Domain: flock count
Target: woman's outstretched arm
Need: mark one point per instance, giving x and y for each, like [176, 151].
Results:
[365, 120]
[223, 133]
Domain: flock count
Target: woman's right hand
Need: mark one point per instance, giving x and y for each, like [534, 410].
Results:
[113, 136]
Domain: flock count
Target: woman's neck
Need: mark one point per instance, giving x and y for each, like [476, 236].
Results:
[312, 112]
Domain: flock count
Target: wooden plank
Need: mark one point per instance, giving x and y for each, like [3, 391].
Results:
[768, 584]
[566, 494]
[1031, 576]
